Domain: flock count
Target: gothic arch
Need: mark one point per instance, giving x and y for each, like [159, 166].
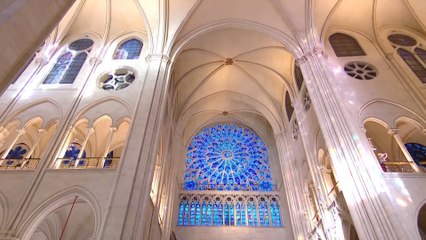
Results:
[55, 201]
[46, 109]
[380, 109]
[114, 107]
[287, 41]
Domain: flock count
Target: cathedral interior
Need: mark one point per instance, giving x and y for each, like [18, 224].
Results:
[212, 119]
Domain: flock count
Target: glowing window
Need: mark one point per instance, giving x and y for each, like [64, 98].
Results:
[411, 52]
[417, 152]
[183, 213]
[251, 213]
[227, 157]
[218, 213]
[241, 213]
[345, 46]
[275, 213]
[69, 63]
[130, 49]
[207, 214]
[263, 213]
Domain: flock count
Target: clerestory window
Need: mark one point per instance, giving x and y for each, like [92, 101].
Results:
[130, 49]
[412, 52]
[70, 62]
[345, 45]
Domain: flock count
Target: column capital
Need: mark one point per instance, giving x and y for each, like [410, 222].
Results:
[393, 131]
[21, 131]
[316, 51]
[162, 57]
[42, 60]
[90, 130]
[94, 61]
[390, 55]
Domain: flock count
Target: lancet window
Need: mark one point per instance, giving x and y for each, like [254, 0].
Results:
[70, 62]
[412, 52]
[345, 45]
[130, 49]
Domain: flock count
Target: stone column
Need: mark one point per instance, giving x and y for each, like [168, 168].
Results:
[369, 205]
[112, 131]
[89, 132]
[128, 206]
[318, 188]
[41, 132]
[394, 133]
[292, 189]
[20, 132]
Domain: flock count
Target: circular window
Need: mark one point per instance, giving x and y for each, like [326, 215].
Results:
[361, 70]
[117, 80]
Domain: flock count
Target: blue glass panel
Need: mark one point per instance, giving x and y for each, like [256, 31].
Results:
[231, 215]
[185, 214]
[252, 214]
[263, 214]
[227, 157]
[226, 214]
[74, 68]
[81, 44]
[130, 49]
[69, 63]
[192, 214]
[17, 152]
[275, 214]
[217, 214]
[59, 69]
[181, 213]
[417, 152]
[207, 214]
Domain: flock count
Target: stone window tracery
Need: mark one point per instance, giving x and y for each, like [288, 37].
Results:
[231, 161]
[130, 49]
[70, 62]
[227, 157]
[412, 52]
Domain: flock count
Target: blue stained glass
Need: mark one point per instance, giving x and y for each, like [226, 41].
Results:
[108, 159]
[130, 49]
[252, 214]
[417, 152]
[217, 214]
[226, 214]
[275, 214]
[207, 214]
[263, 214]
[73, 151]
[18, 151]
[181, 213]
[231, 215]
[227, 157]
[185, 214]
[69, 63]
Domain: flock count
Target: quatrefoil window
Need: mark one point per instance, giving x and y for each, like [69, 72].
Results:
[117, 80]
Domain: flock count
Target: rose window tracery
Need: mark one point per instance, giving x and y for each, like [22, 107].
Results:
[227, 157]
